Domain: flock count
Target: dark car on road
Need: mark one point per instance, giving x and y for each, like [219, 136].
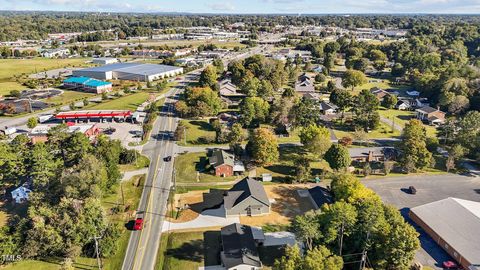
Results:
[168, 159]
[412, 190]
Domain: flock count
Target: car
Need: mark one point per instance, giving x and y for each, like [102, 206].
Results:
[450, 265]
[412, 190]
[168, 159]
[138, 224]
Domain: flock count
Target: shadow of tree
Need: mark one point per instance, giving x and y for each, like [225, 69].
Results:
[189, 251]
[212, 247]
[202, 124]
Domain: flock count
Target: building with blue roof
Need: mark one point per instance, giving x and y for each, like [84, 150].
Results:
[87, 84]
[129, 71]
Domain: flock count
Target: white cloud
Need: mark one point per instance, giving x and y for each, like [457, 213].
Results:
[222, 6]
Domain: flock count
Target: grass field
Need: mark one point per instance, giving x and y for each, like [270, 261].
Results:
[189, 166]
[68, 97]
[188, 250]
[6, 87]
[130, 102]
[383, 131]
[17, 67]
[132, 196]
[197, 129]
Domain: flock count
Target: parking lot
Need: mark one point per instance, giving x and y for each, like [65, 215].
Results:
[429, 189]
[125, 132]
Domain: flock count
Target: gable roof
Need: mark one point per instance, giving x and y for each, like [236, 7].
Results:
[239, 246]
[325, 106]
[321, 195]
[245, 188]
[426, 109]
[221, 157]
[457, 222]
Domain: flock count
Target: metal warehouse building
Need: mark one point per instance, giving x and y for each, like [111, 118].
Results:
[129, 71]
[455, 225]
[87, 84]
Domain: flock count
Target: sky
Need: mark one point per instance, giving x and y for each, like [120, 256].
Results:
[251, 6]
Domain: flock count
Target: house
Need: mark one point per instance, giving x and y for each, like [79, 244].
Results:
[224, 163]
[379, 93]
[413, 93]
[454, 224]
[319, 196]
[58, 52]
[312, 95]
[246, 198]
[404, 104]
[371, 154]
[239, 247]
[40, 132]
[431, 115]
[228, 93]
[21, 194]
[304, 86]
[327, 108]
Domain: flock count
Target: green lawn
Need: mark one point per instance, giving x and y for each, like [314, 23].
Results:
[191, 166]
[197, 129]
[132, 195]
[68, 97]
[402, 117]
[6, 87]
[130, 102]
[284, 168]
[188, 250]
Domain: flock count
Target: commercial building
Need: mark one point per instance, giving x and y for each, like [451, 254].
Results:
[40, 132]
[454, 224]
[87, 84]
[120, 115]
[129, 71]
[104, 60]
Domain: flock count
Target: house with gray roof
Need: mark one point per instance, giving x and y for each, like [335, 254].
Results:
[246, 198]
[327, 108]
[454, 224]
[229, 93]
[224, 164]
[239, 247]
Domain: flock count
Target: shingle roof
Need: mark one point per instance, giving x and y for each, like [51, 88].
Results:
[239, 246]
[321, 195]
[457, 222]
[245, 188]
[327, 106]
[221, 157]
[426, 109]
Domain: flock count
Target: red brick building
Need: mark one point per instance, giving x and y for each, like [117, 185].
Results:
[224, 164]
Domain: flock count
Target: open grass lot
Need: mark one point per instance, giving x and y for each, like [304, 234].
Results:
[188, 250]
[68, 97]
[383, 131]
[192, 166]
[130, 102]
[17, 67]
[196, 129]
[6, 87]
[132, 195]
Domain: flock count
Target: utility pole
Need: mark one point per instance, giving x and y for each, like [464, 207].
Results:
[364, 253]
[341, 236]
[97, 251]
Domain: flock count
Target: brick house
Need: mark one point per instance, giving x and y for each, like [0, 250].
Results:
[224, 164]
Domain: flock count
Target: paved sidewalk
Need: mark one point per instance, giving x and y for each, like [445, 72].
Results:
[208, 218]
[390, 122]
[128, 175]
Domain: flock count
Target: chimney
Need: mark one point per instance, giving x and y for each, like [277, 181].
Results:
[370, 156]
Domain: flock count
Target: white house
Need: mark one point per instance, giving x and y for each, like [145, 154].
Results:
[20, 194]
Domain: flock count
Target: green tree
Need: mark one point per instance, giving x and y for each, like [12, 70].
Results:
[292, 260]
[366, 106]
[320, 258]
[337, 221]
[304, 113]
[263, 146]
[414, 147]
[32, 122]
[338, 157]
[302, 169]
[218, 64]
[306, 228]
[342, 98]
[254, 110]
[316, 139]
[353, 78]
[43, 166]
[265, 90]
[236, 135]
[250, 86]
[389, 101]
[208, 77]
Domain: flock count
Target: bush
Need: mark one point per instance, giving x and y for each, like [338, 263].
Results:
[205, 140]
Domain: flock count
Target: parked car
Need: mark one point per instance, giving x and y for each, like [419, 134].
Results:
[412, 190]
[138, 224]
[450, 265]
[168, 159]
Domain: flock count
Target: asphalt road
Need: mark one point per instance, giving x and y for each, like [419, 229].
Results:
[142, 247]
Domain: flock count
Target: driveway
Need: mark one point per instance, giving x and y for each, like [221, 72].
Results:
[208, 218]
[279, 239]
[429, 189]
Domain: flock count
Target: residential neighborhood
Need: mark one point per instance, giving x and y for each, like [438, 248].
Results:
[254, 135]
